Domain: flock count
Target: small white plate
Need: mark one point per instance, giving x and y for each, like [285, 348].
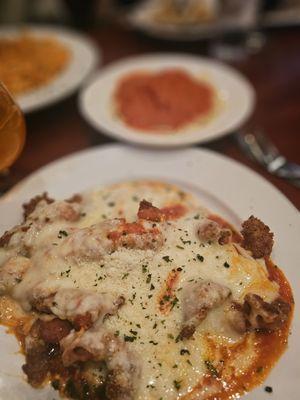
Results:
[221, 184]
[236, 100]
[84, 58]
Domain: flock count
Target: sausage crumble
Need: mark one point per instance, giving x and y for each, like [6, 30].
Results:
[257, 237]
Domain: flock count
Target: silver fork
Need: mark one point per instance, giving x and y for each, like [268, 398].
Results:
[257, 145]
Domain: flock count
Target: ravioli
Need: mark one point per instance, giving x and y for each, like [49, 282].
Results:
[135, 291]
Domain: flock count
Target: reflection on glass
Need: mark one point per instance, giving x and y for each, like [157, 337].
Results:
[12, 130]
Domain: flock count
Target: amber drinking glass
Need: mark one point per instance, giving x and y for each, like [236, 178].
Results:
[12, 131]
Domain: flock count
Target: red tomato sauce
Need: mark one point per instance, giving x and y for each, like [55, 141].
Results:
[236, 236]
[167, 297]
[173, 212]
[169, 99]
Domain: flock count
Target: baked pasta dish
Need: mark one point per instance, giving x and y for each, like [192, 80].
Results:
[137, 292]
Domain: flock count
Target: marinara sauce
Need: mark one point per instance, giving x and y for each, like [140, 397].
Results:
[169, 99]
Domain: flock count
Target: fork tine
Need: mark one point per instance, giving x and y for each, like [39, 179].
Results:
[268, 148]
[255, 147]
[250, 142]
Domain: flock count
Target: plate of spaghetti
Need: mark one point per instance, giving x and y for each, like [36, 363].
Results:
[42, 65]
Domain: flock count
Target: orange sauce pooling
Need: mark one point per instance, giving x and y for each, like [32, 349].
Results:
[269, 346]
[169, 99]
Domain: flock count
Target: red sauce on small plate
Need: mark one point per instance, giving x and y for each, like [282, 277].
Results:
[166, 100]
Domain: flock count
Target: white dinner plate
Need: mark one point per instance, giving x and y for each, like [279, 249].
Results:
[236, 100]
[84, 58]
[221, 184]
[142, 17]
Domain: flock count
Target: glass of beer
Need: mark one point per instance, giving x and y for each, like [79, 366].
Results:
[12, 131]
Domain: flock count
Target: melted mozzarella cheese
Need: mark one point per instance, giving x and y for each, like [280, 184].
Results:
[122, 200]
[140, 277]
[168, 367]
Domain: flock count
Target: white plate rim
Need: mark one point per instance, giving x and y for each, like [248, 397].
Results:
[85, 57]
[140, 18]
[282, 216]
[104, 122]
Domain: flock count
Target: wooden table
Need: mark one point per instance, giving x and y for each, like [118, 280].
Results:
[274, 72]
